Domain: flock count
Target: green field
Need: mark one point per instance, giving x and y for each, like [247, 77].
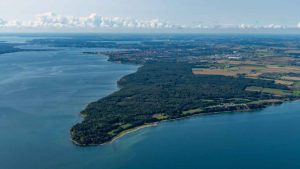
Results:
[277, 92]
[192, 111]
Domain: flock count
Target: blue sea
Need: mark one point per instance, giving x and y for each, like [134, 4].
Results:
[42, 93]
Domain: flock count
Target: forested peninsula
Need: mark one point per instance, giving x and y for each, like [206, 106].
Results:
[164, 91]
[183, 77]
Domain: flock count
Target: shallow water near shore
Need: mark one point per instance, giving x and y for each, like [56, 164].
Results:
[42, 94]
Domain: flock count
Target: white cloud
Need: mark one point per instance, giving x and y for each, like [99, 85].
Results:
[2, 22]
[241, 26]
[270, 26]
[298, 26]
[247, 26]
[52, 21]
[274, 26]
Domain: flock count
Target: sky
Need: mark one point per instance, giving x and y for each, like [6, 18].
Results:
[149, 14]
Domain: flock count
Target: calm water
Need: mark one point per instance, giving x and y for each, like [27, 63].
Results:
[42, 94]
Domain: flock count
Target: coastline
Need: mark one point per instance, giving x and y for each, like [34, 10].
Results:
[148, 125]
[125, 132]
[120, 135]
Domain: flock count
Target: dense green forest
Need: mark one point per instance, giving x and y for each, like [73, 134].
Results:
[167, 90]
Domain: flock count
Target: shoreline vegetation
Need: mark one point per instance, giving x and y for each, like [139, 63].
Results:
[120, 135]
[154, 124]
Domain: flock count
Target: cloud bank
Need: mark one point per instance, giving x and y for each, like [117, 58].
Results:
[52, 20]
[93, 21]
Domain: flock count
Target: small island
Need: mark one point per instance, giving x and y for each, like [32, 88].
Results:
[182, 78]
